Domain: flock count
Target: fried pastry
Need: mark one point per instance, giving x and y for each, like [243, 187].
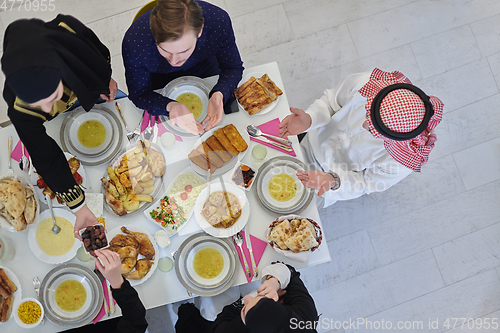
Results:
[224, 141]
[269, 87]
[217, 147]
[235, 138]
[208, 152]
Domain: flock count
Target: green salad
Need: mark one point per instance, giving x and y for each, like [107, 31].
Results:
[169, 213]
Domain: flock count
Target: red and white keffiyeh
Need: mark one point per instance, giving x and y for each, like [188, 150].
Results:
[402, 111]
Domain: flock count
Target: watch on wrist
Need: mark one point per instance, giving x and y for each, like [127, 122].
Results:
[337, 180]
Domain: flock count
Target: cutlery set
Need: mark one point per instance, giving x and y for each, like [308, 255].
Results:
[238, 241]
[255, 132]
[150, 133]
[24, 162]
[109, 309]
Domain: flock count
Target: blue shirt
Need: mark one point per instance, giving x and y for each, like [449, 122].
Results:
[141, 58]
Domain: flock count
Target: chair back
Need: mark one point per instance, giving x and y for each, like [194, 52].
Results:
[150, 5]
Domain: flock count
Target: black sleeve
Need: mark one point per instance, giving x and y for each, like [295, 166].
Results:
[46, 155]
[133, 318]
[229, 321]
[298, 298]
[85, 33]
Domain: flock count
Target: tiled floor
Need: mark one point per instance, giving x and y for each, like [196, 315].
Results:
[428, 248]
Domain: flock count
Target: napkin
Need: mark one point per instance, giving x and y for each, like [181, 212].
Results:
[17, 152]
[102, 312]
[258, 247]
[272, 128]
[161, 127]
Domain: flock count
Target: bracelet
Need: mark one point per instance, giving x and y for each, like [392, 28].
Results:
[269, 277]
[337, 180]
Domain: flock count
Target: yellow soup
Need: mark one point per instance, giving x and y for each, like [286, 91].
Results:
[208, 263]
[282, 187]
[55, 244]
[193, 103]
[70, 295]
[91, 134]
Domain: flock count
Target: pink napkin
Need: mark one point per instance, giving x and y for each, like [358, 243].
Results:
[102, 312]
[272, 127]
[161, 127]
[17, 152]
[258, 247]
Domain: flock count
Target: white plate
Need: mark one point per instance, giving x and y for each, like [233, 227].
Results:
[18, 294]
[187, 214]
[3, 222]
[268, 108]
[158, 181]
[34, 178]
[200, 281]
[207, 227]
[82, 118]
[228, 166]
[181, 85]
[37, 251]
[276, 171]
[134, 228]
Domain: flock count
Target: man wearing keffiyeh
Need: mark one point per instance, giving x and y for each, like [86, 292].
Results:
[365, 135]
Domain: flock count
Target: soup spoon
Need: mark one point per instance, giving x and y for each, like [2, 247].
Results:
[55, 228]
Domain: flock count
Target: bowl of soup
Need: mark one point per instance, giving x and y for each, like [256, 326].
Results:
[207, 264]
[71, 295]
[91, 133]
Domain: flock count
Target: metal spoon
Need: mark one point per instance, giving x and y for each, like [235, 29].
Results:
[55, 228]
[24, 163]
[255, 131]
[238, 240]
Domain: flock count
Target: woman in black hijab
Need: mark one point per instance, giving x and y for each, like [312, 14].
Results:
[48, 66]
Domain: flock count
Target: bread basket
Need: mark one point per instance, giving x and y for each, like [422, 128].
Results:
[300, 256]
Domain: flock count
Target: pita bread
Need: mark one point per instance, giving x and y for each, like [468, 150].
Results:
[279, 233]
[13, 196]
[302, 241]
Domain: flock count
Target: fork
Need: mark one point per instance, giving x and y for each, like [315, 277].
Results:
[137, 131]
[36, 284]
[238, 240]
[9, 168]
[174, 254]
[130, 134]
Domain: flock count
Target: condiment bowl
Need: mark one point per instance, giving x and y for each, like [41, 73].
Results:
[20, 322]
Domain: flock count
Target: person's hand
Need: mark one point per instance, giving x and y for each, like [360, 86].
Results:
[318, 180]
[181, 116]
[112, 267]
[84, 218]
[113, 89]
[281, 292]
[214, 111]
[270, 289]
[295, 123]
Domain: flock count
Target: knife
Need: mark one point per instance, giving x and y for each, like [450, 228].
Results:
[111, 299]
[155, 128]
[101, 278]
[249, 246]
[279, 145]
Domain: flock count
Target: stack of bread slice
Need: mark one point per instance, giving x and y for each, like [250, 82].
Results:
[7, 289]
[255, 94]
[218, 149]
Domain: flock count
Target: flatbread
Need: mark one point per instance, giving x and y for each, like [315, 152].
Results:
[13, 196]
[301, 241]
[280, 233]
[296, 235]
[30, 210]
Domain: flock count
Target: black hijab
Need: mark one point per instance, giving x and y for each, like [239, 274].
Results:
[81, 59]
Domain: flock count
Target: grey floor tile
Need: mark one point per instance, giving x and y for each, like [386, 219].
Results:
[487, 33]
[436, 223]
[494, 61]
[237, 8]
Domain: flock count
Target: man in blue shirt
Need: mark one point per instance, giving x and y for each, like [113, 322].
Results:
[179, 38]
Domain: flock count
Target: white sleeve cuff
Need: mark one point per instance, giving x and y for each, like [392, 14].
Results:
[279, 271]
[79, 207]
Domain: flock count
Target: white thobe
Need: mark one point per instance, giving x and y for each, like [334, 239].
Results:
[336, 141]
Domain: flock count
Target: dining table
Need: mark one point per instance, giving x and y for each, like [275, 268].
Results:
[162, 287]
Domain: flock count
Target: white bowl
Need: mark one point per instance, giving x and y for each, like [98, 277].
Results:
[73, 133]
[16, 314]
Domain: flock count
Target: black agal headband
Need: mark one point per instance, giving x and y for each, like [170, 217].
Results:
[384, 130]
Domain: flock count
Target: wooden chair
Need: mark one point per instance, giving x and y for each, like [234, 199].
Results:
[145, 8]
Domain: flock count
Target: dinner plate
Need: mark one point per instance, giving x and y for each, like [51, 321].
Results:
[3, 222]
[217, 232]
[35, 248]
[67, 140]
[282, 164]
[214, 282]
[181, 258]
[187, 205]
[18, 294]
[117, 230]
[179, 86]
[268, 108]
[158, 181]
[97, 115]
[228, 166]
[93, 302]
[39, 191]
